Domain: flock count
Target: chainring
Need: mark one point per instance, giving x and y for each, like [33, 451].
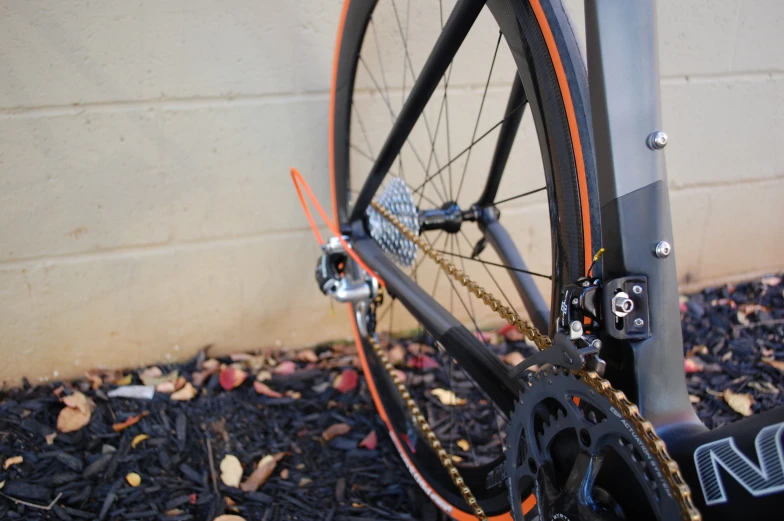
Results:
[583, 458]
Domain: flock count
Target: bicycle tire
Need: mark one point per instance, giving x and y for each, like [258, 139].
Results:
[555, 82]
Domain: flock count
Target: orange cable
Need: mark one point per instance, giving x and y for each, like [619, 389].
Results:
[297, 178]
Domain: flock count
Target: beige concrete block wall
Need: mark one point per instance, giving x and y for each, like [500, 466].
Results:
[144, 154]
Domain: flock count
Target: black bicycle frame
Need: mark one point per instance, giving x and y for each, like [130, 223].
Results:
[635, 217]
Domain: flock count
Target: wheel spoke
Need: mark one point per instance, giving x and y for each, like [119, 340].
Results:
[478, 116]
[510, 268]
[525, 194]
[467, 149]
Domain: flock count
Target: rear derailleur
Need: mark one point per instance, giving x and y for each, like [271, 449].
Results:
[340, 278]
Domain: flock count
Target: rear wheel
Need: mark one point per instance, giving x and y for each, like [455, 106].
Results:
[511, 108]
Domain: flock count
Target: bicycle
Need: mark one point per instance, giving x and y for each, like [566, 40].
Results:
[597, 424]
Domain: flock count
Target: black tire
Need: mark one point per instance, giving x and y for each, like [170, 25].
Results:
[546, 52]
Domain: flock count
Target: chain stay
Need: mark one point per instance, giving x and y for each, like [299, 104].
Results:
[617, 398]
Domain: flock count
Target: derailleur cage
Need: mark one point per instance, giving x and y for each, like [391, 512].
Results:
[342, 280]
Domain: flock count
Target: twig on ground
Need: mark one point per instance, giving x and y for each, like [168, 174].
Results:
[33, 505]
[212, 466]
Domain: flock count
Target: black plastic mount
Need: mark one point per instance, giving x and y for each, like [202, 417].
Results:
[635, 325]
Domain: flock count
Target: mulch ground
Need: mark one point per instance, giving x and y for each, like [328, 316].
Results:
[301, 444]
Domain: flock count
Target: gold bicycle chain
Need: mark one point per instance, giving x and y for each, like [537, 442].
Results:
[617, 399]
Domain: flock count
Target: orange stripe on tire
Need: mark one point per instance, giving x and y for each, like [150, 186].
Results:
[563, 84]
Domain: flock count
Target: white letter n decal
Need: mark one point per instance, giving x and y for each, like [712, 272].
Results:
[759, 481]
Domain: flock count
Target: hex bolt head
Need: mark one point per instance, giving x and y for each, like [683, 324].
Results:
[637, 290]
[622, 305]
[657, 140]
[663, 249]
[597, 344]
[639, 322]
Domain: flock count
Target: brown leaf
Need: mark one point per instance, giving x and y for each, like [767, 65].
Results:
[694, 399]
[265, 390]
[133, 479]
[370, 441]
[15, 460]
[166, 387]
[79, 401]
[211, 364]
[188, 392]
[231, 377]
[231, 471]
[771, 280]
[304, 482]
[346, 381]
[778, 364]
[138, 439]
[514, 358]
[285, 368]
[307, 355]
[263, 375]
[335, 430]
[125, 380]
[397, 354]
[263, 471]
[422, 362]
[739, 402]
[229, 517]
[133, 420]
[463, 444]
[447, 397]
[76, 413]
[400, 374]
[284, 474]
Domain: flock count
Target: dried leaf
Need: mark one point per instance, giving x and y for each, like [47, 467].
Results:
[514, 358]
[694, 399]
[463, 444]
[335, 430]
[293, 394]
[397, 354]
[263, 471]
[400, 374]
[370, 441]
[133, 420]
[125, 380]
[229, 517]
[79, 401]
[231, 378]
[263, 376]
[764, 387]
[138, 439]
[211, 365]
[165, 387]
[422, 362]
[692, 365]
[150, 372]
[304, 482]
[346, 381]
[739, 402]
[741, 316]
[188, 392]
[285, 368]
[50, 438]
[771, 281]
[455, 458]
[307, 355]
[76, 413]
[133, 479]
[265, 390]
[447, 397]
[778, 364]
[231, 471]
[284, 474]
[15, 460]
